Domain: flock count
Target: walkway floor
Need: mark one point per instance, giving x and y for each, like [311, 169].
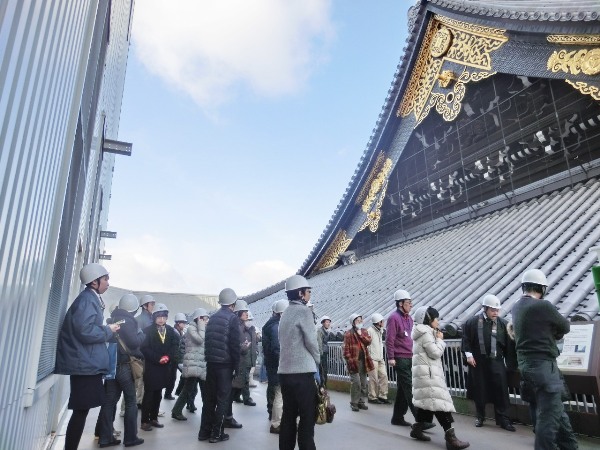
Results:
[364, 429]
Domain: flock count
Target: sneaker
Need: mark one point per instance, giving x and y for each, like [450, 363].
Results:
[220, 438]
[249, 402]
[354, 407]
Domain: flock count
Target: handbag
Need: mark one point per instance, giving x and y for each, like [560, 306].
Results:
[136, 364]
[325, 409]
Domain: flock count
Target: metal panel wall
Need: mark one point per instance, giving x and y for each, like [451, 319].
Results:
[50, 67]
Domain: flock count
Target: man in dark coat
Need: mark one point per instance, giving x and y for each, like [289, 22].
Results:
[485, 344]
[160, 347]
[81, 350]
[270, 344]
[222, 353]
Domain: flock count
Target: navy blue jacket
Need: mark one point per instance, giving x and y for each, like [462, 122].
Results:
[222, 338]
[129, 333]
[270, 344]
[81, 347]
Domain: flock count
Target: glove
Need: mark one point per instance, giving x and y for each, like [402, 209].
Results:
[164, 359]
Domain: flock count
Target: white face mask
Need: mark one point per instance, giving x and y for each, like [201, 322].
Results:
[359, 326]
[247, 324]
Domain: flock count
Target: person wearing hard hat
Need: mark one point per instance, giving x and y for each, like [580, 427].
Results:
[430, 391]
[181, 323]
[193, 370]
[537, 326]
[271, 350]
[323, 341]
[160, 346]
[129, 339]
[298, 361]
[222, 352]
[248, 348]
[147, 303]
[378, 379]
[358, 361]
[485, 344]
[81, 350]
[398, 345]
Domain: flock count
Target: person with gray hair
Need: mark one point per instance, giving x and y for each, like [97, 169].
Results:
[298, 361]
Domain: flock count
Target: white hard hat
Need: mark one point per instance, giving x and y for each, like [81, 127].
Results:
[227, 297]
[241, 305]
[296, 282]
[129, 302]
[324, 318]
[91, 272]
[534, 276]
[200, 312]
[353, 317]
[160, 308]
[401, 294]
[146, 299]
[180, 317]
[280, 305]
[376, 318]
[491, 300]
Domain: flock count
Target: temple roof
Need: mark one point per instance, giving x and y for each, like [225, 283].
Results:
[454, 268]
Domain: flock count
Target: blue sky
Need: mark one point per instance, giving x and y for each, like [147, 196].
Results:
[248, 120]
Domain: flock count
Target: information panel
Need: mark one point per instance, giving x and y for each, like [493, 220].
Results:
[577, 348]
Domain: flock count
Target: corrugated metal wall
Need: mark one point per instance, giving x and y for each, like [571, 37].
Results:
[62, 69]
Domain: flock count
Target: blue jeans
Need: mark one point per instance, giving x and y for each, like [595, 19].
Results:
[123, 382]
[553, 428]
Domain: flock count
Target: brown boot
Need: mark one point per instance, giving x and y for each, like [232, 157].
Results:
[452, 442]
[417, 432]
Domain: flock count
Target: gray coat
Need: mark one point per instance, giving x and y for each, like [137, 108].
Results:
[194, 362]
[299, 351]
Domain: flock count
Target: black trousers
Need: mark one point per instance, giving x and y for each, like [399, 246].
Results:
[444, 418]
[150, 405]
[488, 381]
[123, 383]
[299, 392]
[217, 398]
[404, 391]
[172, 378]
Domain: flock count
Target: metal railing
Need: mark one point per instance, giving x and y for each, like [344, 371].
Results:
[456, 377]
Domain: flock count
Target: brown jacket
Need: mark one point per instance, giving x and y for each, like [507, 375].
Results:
[353, 344]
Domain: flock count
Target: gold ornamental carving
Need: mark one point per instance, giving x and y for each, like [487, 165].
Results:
[338, 246]
[371, 205]
[374, 171]
[574, 39]
[575, 61]
[467, 44]
[585, 88]
[374, 216]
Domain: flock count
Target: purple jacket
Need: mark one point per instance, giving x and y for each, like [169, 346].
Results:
[398, 341]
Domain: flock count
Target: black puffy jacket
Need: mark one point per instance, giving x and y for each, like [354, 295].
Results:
[222, 339]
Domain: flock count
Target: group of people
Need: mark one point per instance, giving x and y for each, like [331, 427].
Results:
[215, 356]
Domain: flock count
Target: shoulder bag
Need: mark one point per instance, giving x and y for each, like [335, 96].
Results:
[136, 364]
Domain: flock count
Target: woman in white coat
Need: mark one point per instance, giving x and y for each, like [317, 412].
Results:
[430, 393]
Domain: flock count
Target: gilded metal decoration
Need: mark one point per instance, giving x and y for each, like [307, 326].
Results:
[448, 40]
[338, 246]
[576, 61]
[585, 88]
[367, 185]
[371, 205]
[574, 39]
[374, 216]
[446, 77]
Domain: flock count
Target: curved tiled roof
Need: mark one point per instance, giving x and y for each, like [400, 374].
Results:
[546, 11]
[453, 268]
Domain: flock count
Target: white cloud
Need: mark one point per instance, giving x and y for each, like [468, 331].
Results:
[261, 274]
[141, 263]
[210, 48]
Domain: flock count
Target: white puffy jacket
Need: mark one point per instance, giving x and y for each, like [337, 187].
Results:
[194, 362]
[428, 379]
[377, 344]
